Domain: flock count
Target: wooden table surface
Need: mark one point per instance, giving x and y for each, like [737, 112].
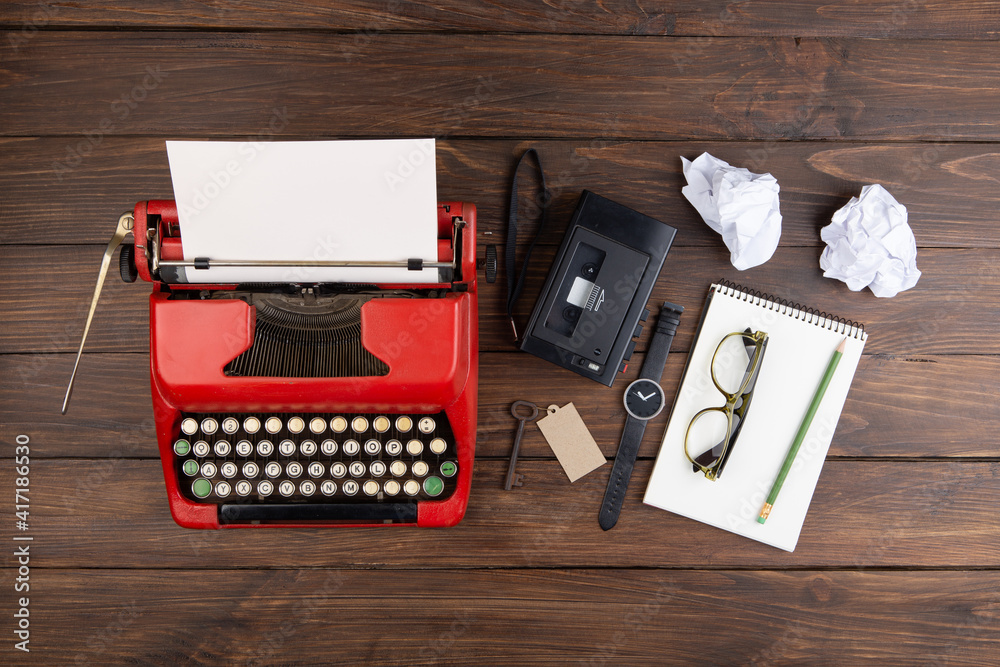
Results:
[898, 559]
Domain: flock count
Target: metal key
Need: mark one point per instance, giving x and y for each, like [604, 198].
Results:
[512, 479]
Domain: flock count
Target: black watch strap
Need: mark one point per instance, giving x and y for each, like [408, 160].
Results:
[628, 447]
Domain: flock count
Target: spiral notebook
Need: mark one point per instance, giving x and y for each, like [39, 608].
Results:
[801, 342]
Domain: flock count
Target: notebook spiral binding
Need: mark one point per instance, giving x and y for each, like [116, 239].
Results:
[794, 309]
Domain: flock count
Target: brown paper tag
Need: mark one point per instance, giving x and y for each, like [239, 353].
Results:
[572, 443]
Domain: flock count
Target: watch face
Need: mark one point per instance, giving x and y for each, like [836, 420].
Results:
[644, 399]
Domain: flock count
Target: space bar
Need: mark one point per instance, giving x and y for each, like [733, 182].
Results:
[346, 513]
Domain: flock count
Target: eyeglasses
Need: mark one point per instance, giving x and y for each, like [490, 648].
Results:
[712, 433]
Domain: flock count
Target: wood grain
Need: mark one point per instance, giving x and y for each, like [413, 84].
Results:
[927, 406]
[454, 617]
[266, 84]
[863, 514]
[965, 19]
[946, 187]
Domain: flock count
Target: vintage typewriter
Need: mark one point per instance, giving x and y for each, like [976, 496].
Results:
[309, 404]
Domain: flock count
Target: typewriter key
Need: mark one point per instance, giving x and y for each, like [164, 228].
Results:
[338, 424]
[433, 486]
[397, 468]
[371, 487]
[438, 445]
[420, 468]
[316, 469]
[286, 488]
[209, 426]
[182, 447]
[272, 425]
[222, 448]
[357, 469]
[391, 487]
[426, 425]
[328, 447]
[229, 469]
[265, 488]
[338, 470]
[359, 424]
[350, 487]
[201, 487]
[272, 469]
[414, 447]
[296, 424]
[448, 468]
[412, 487]
[328, 488]
[264, 448]
[373, 447]
[189, 426]
[208, 469]
[307, 488]
[293, 469]
[251, 425]
[201, 448]
[351, 447]
[222, 489]
[244, 448]
[190, 467]
[404, 423]
[381, 424]
[230, 425]
[317, 425]
[307, 448]
[243, 487]
[286, 447]
[250, 469]
[377, 468]
[393, 447]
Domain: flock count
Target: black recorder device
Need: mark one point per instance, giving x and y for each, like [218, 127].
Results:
[594, 299]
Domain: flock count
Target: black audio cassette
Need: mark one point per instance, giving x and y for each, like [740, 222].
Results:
[594, 298]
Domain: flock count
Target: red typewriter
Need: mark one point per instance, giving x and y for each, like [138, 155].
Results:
[309, 404]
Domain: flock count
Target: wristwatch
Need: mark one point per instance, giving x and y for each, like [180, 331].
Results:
[644, 399]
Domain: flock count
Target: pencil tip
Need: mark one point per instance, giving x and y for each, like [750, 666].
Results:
[842, 346]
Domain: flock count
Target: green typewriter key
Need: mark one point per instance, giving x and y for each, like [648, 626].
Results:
[448, 468]
[182, 447]
[201, 487]
[191, 468]
[433, 486]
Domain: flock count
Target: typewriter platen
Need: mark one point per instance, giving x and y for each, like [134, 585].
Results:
[310, 404]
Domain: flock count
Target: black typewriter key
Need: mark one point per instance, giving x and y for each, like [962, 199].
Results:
[359, 424]
[286, 488]
[351, 447]
[373, 447]
[307, 448]
[251, 425]
[264, 448]
[222, 489]
[272, 469]
[229, 470]
[391, 487]
[404, 424]
[190, 467]
[397, 468]
[189, 426]
[338, 424]
[201, 448]
[209, 426]
[351, 487]
[307, 488]
[293, 469]
[438, 445]
[201, 487]
[317, 425]
[448, 468]
[230, 425]
[243, 488]
[208, 469]
[316, 469]
[338, 470]
[370, 487]
[244, 448]
[357, 469]
[272, 425]
[250, 469]
[393, 447]
[414, 447]
[411, 487]
[420, 468]
[286, 447]
[296, 424]
[381, 424]
[182, 447]
[377, 468]
[328, 488]
[328, 447]
[222, 448]
[433, 486]
[265, 489]
[426, 425]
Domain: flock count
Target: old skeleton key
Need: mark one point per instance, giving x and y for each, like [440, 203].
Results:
[513, 479]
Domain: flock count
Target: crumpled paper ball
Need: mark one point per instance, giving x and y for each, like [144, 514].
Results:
[870, 244]
[738, 204]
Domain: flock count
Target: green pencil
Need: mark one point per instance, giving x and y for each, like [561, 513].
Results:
[801, 435]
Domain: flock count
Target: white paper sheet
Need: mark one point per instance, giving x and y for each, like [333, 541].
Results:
[307, 201]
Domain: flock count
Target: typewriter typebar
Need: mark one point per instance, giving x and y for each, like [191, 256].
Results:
[307, 404]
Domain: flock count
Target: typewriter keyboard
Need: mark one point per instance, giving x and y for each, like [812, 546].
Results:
[315, 458]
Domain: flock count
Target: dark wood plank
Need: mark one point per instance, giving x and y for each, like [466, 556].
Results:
[158, 83]
[933, 406]
[863, 514]
[933, 19]
[950, 202]
[515, 617]
[946, 313]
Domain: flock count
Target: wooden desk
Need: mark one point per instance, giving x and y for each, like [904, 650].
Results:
[899, 554]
